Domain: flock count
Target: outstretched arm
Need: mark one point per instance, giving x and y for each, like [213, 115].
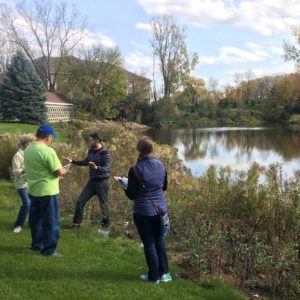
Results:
[76, 162]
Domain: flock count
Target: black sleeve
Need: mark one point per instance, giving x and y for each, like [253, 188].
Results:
[84, 162]
[133, 185]
[165, 182]
[81, 162]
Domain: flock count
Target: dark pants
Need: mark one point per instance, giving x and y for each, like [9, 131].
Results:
[149, 229]
[44, 223]
[99, 188]
[24, 209]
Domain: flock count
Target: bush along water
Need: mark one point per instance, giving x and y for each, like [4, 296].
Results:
[224, 224]
[242, 228]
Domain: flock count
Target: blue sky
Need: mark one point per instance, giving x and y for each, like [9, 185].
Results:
[229, 35]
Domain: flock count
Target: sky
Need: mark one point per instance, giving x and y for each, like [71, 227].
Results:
[229, 36]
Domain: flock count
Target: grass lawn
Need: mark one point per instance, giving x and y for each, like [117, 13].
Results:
[29, 128]
[17, 127]
[92, 267]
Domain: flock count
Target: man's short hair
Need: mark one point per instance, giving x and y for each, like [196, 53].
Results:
[96, 136]
[41, 135]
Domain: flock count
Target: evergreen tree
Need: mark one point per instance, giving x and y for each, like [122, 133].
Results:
[22, 93]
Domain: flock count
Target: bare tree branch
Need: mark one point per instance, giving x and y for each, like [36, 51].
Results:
[44, 31]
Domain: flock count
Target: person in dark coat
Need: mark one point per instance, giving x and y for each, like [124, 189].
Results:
[147, 181]
[98, 160]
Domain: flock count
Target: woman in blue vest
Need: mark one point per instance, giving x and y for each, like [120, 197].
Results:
[147, 181]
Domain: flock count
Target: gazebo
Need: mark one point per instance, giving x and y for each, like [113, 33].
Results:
[58, 108]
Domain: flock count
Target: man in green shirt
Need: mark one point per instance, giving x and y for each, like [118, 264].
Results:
[43, 170]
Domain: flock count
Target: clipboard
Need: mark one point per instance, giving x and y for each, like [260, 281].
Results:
[122, 181]
[67, 166]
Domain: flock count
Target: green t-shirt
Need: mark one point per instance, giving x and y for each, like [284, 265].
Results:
[41, 162]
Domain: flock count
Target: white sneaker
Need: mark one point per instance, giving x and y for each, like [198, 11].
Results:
[103, 233]
[145, 278]
[166, 277]
[17, 229]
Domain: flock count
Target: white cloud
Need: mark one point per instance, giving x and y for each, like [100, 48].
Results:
[106, 40]
[257, 72]
[229, 55]
[145, 26]
[267, 17]
[277, 50]
[139, 63]
[275, 69]
[90, 38]
[281, 68]
[209, 60]
[208, 10]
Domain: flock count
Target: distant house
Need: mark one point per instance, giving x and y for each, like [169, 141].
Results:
[58, 108]
[134, 81]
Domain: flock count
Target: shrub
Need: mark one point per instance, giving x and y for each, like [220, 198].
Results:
[8, 147]
[294, 119]
[242, 227]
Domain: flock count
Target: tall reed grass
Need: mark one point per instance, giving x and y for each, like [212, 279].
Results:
[8, 147]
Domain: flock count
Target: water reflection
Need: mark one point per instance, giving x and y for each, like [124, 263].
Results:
[234, 147]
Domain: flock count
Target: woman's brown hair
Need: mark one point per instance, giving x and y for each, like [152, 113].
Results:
[145, 146]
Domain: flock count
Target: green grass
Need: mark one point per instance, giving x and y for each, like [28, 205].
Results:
[30, 128]
[17, 128]
[92, 267]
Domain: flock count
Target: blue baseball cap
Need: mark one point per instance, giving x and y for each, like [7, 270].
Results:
[47, 129]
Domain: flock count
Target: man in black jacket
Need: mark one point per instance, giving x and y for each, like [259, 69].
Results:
[99, 161]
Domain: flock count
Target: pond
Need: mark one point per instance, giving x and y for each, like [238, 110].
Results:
[237, 147]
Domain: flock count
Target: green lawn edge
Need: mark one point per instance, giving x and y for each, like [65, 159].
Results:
[22, 128]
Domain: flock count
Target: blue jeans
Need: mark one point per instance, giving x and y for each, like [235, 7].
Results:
[44, 223]
[149, 229]
[24, 209]
[99, 188]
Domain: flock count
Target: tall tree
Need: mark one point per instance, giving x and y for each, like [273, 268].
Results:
[238, 78]
[43, 30]
[194, 89]
[262, 87]
[292, 51]
[249, 86]
[139, 95]
[168, 44]
[96, 83]
[212, 88]
[22, 93]
[7, 50]
[283, 95]
[231, 95]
